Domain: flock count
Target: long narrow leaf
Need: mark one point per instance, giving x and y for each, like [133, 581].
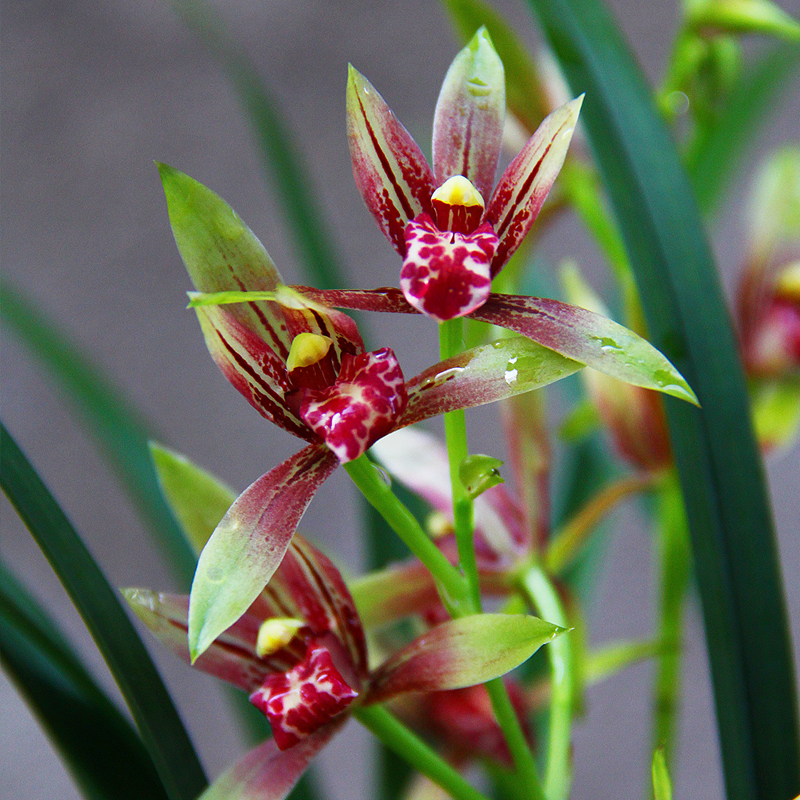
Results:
[714, 156]
[155, 715]
[120, 430]
[715, 451]
[101, 749]
[280, 157]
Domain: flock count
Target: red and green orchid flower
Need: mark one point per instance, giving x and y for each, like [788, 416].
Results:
[302, 365]
[453, 232]
[299, 650]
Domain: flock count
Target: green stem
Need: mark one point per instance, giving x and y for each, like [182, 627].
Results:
[521, 755]
[452, 586]
[546, 600]
[675, 568]
[451, 342]
[398, 738]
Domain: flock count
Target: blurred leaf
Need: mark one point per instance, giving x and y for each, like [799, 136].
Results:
[744, 16]
[721, 475]
[718, 152]
[159, 725]
[279, 154]
[100, 748]
[118, 427]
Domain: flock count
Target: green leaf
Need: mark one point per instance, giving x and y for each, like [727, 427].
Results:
[100, 748]
[279, 155]
[478, 473]
[151, 706]
[118, 427]
[198, 499]
[717, 154]
[721, 474]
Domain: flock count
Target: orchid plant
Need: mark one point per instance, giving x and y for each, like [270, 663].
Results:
[409, 649]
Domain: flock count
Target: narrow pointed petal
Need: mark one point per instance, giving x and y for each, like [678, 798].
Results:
[220, 252]
[483, 375]
[361, 406]
[587, 337]
[250, 542]
[461, 652]
[468, 123]
[267, 773]
[445, 274]
[305, 698]
[251, 366]
[308, 586]
[197, 498]
[391, 173]
[524, 185]
[231, 657]
[387, 299]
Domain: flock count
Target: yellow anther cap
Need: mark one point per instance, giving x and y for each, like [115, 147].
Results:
[458, 191]
[307, 349]
[275, 634]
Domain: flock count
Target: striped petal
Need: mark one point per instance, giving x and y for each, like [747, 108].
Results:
[461, 652]
[391, 173]
[362, 405]
[468, 123]
[250, 542]
[589, 338]
[523, 187]
[446, 274]
[253, 367]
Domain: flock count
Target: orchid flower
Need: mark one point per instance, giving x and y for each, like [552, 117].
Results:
[300, 652]
[302, 365]
[455, 233]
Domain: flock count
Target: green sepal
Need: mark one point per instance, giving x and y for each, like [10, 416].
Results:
[198, 499]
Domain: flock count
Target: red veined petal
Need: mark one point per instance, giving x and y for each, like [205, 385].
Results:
[446, 274]
[524, 185]
[390, 171]
[468, 123]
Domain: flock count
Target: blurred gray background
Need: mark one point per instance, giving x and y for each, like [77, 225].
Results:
[93, 91]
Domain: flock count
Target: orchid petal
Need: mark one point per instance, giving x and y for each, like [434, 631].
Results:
[308, 586]
[391, 173]
[251, 366]
[446, 274]
[461, 652]
[220, 252]
[305, 698]
[468, 123]
[361, 406]
[250, 542]
[231, 657]
[524, 185]
[419, 461]
[587, 337]
[267, 773]
[483, 375]
[197, 498]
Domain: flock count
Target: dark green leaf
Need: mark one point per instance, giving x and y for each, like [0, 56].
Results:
[102, 751]
[721, 474]
[281, 160]
[159, 725]
[119, 428]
